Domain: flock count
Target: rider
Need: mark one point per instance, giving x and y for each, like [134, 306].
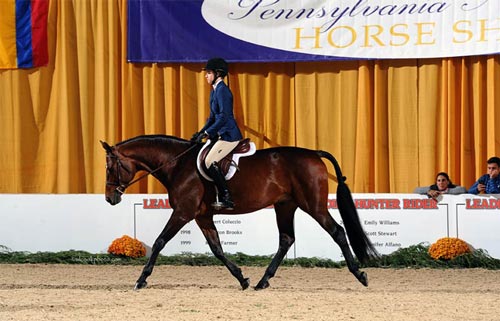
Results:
[221, 126]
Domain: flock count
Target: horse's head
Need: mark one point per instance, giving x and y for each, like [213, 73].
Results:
[120, 170]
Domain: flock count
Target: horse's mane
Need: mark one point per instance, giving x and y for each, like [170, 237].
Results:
[152, 139]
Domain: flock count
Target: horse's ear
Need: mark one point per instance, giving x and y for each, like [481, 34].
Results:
[106, 147]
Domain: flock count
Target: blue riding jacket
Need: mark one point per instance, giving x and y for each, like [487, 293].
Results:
[221, 122]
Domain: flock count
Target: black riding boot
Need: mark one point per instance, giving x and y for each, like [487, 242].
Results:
[225, 199]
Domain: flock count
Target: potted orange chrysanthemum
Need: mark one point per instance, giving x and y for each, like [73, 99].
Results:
[127, 246]
[448, 248]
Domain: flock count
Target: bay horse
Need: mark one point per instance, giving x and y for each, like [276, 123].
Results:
[285, 177]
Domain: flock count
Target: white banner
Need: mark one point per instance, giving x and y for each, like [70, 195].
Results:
[37, 222]
[362, 28]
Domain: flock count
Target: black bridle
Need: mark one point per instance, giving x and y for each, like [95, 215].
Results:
[120, 187]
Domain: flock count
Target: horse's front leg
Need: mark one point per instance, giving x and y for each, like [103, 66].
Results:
[208, 229]
[174, 224]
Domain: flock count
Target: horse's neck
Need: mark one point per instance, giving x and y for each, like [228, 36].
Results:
[153, 155]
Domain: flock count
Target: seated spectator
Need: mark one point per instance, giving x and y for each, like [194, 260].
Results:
[488, 183]
[443, 185]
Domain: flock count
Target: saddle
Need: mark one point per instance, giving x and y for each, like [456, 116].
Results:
[229, 163]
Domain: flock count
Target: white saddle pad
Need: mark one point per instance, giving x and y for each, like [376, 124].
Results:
[222, 152]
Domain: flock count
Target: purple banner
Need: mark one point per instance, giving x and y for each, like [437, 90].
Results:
[175, 31]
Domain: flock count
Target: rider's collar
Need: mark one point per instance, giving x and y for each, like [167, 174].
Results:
[216, 82]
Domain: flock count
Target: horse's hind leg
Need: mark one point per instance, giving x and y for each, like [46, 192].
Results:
[208, 229]
[338, 234]
[173, 226]
[285, 213]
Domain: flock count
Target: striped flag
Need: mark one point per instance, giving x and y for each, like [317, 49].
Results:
[23, 33]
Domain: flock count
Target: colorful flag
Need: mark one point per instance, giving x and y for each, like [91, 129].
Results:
[23, 33]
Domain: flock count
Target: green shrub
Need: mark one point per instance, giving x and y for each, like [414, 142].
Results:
[415, 256]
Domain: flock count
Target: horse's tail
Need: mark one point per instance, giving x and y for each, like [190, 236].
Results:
[360, 243]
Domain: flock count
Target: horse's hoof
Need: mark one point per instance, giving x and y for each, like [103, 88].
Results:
[262, 285]
[140, 285]
[245, 284]
[363, 278]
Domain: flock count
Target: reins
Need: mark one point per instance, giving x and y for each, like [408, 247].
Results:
[120, 188]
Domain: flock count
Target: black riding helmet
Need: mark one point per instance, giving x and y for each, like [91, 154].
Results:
[218, 65]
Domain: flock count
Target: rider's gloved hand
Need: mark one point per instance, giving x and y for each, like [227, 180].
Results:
[200, 137]
[194, 138]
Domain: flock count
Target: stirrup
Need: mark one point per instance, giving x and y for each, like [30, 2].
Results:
[218, 205]
[222, 206]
